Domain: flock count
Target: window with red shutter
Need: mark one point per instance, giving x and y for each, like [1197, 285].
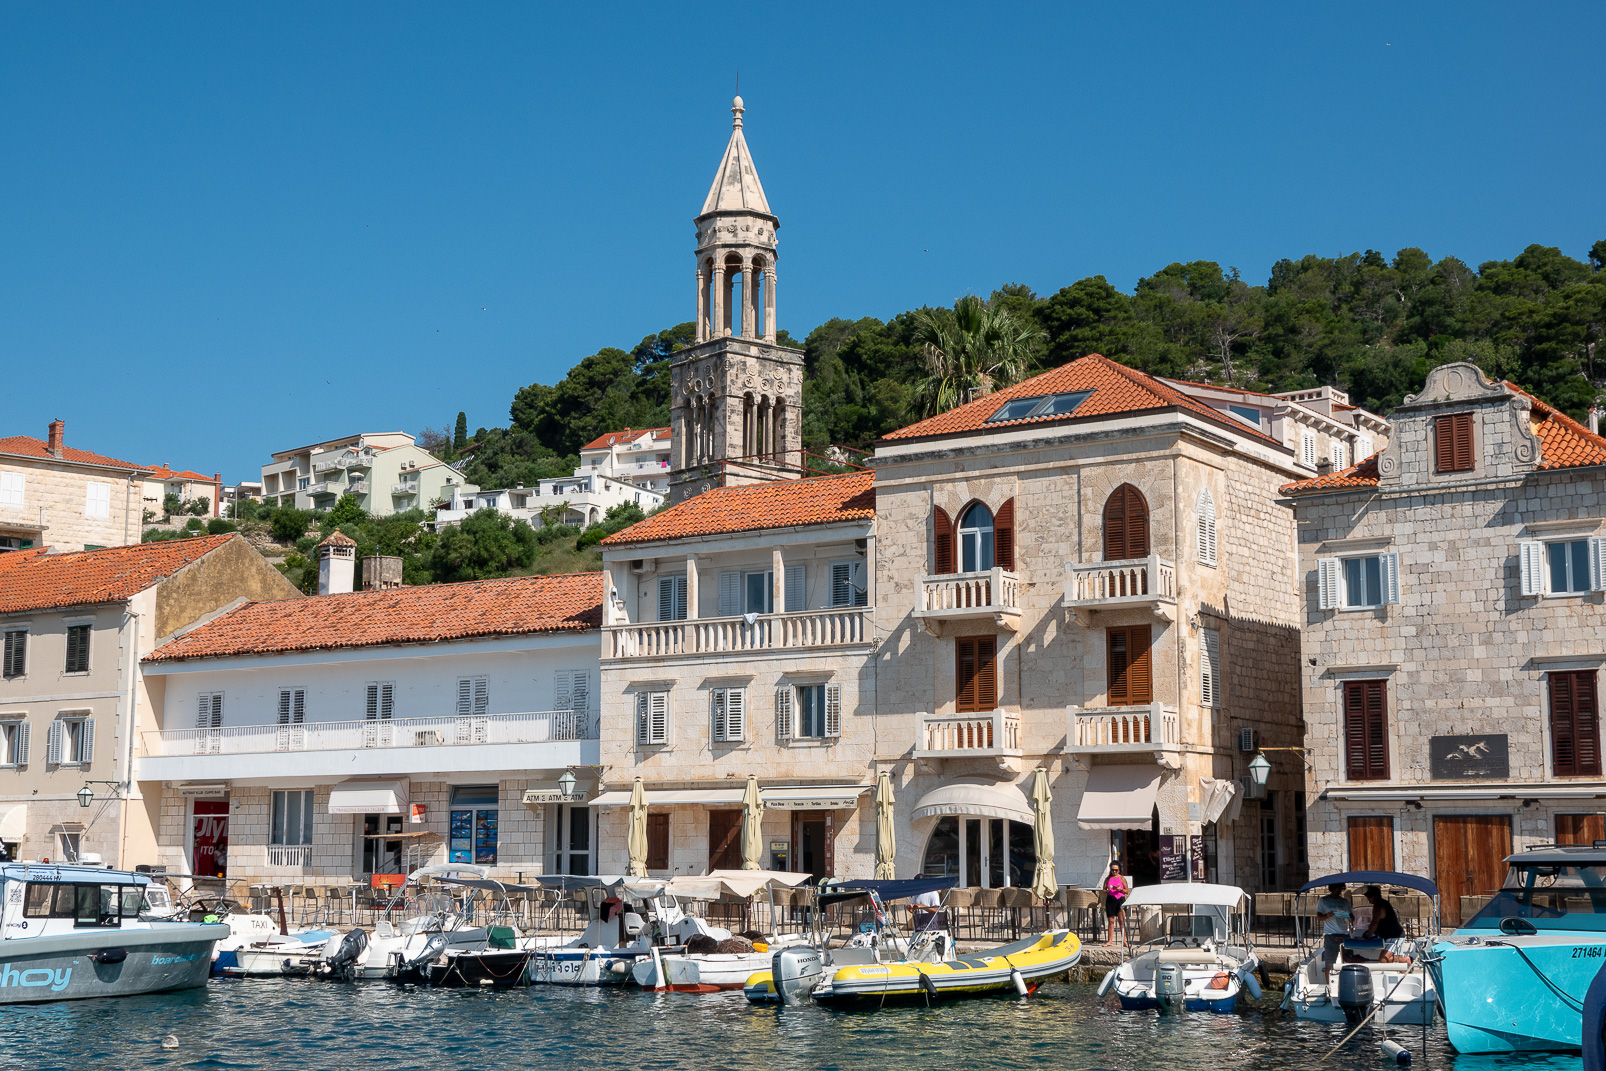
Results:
[1126, 525]
[1452, 442]
[942, 541]
[1574, 724]
[1127, 658]
[1366, 742]
[975, 673]
[1004, 535]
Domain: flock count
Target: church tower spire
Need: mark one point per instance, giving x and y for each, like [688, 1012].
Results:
[735, 415]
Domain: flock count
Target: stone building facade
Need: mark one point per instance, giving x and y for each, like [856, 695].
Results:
[68, 499]
[1453, 639]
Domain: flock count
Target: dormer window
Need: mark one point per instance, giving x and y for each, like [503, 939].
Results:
[1452, 443]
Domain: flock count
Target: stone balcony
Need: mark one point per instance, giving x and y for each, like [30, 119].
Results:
[839, 627]
[1134, 584]
[1152, 731]
[991, 734]
[992, 596]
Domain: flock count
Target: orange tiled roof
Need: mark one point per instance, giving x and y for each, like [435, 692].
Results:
[162, 472]
[337, 538]
[569, 602]
[1361, 475]
[37, 580]
[753, 507]
[28, 446]
[613, 438]
[1116, 389]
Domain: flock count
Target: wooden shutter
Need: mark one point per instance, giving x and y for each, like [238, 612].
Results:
[1366, 752]
[1597, 564]
[657, 841]
[1205, 516]
[284, 706]
[1389, 567]
[1452, 442]
[1531, 566]
[20, 755]
[482, 695]
[579, 693]
[16, 656]
[642, 720]
[658, 718]
[794, 590]
[53, 742]
[975, 673]
[965, 674]
[1327, 583]
[371, 705]
[1131, 679]
[465, 696]
[1574, 724]
[77, 648]
[833, 710]
[1371, 842]
[209, 711]
[1210, 668]
[784, 701]
[1004, 536]
[730, 593]
[942, 541]
[735, 714]
[717, 699]
[1126, 525]
[724, 840]
[86, 741]
[841, 583]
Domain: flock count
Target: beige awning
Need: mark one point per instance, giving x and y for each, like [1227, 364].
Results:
[978, 799]
[1119, 797]
[668, 797]
[368, 797]
[831, 798]
[808, 798]
[14, 824]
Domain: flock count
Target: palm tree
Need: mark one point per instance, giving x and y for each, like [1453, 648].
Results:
[970, 351]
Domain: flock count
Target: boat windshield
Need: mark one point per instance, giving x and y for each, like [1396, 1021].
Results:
[1551, 896]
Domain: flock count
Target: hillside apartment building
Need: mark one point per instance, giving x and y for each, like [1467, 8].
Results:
[386, 471]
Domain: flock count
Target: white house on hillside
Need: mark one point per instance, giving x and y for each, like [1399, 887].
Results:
[580, 499]
[640, 457]
[387, 472]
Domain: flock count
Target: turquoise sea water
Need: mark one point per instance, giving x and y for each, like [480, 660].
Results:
[306, 1025]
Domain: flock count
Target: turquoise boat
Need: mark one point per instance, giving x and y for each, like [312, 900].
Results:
[1514, 976]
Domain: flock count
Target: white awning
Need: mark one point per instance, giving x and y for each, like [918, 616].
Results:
[833, 798]
[368, 797]
[1119, 797]
[667, 797]
[14, 825]
[976, 798]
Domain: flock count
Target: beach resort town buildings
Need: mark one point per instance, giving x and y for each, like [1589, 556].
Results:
[581, 499]
[186, 486]
[73, 696]
[634, 456]
[71, 499]
[1454, 637]
[355, 733]
[386, 471]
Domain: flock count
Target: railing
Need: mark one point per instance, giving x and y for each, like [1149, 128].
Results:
[529, 728]
[404, 489]
[326, 465]
[1136, 579]
[713, 635]
[995, 731]
[1124, 728]
[319, 488]
[990, 590]
[289, 856]
[358, 487]
[359, 462]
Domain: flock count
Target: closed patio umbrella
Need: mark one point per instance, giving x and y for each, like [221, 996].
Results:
[637, 841]
[1044, 883]
[752, 834]
[886, 847]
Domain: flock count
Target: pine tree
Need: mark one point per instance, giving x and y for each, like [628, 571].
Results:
[460, 436]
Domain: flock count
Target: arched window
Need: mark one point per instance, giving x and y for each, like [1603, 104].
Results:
[976, 539]
[1126, 525]
[1206, 513]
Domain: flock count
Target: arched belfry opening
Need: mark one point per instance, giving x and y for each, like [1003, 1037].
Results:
[737, 391]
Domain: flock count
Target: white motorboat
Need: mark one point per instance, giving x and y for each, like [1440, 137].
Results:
[615, 938]
[370, 953]
[72, 932]
[279, 955]
[1389, 978]
[1202, 959]
[676, 966]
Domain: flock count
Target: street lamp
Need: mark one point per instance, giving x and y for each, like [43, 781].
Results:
[1259, 770]
[86, 796]
[566, 783]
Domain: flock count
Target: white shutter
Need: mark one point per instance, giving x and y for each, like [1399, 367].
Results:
[735, 714]
[284, 706]
[658, 717]
[1335, 453]
[730, 594]
[1327, 583]
[641, 718]
[1391, 578]
[1363, 448]
[12, 486]
[1307, 448]
[1531, 560]
[717, 696]
[24, 731]
[86, 741]
[465, 696]
[794, 590]
[783, 712]
[1597, 565]
[203, 712]
[53, 743]
[833, 710]
[1206, 511]
[298, 706]
[1210, 668]
[387, 700]
[371, 708]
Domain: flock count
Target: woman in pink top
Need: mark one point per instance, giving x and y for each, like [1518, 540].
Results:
[1115, 890]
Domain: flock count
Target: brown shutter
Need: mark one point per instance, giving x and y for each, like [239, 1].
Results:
[942, 542]
[986, 672]
[1139, 678]
[1004, 536]
[724, 840]
[965, 674]
[1574, 724]
[1366, 750]
[1126, 525]
[657, 841]
[1371, 842]
[1115, 658]
[1452, 443]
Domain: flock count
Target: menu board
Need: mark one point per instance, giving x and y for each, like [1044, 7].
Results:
[1196, 858]
[485, 836]
[1173, 857]
[462, 837]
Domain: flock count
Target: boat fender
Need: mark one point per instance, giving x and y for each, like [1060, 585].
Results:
[618, 966]
[1396, 1052]
[1251, 984]
[1288, 995]
[1020, 983]
[658, 979]
[927, 984]
[110, 955]
[1109, 980]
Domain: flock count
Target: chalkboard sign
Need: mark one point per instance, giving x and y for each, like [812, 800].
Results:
[1469, 758]
[1173, 857]
[1196, 857]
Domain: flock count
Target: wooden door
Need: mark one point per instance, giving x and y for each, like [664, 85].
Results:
[1580, 828]
[814, 844]
[724, 840]
[1469, 852]
[1371, 842]
[657, 841]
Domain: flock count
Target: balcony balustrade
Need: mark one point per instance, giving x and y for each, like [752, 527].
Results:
[758, 632]
[358, 487]
[524, 728]
[404, 488]
[289, 856]
[1152, 729]
[992, 595]
[1135, 583]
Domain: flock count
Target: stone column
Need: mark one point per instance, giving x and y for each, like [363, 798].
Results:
[691, 587]
[778, 584]
[702, 305]
[747, 299]
[721, 318]
[769, 305]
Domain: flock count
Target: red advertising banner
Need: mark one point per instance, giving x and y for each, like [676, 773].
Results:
[211, 844]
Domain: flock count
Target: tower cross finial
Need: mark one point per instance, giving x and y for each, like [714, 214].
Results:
[736, 111]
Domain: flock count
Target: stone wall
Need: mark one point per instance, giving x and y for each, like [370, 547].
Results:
[56, 492]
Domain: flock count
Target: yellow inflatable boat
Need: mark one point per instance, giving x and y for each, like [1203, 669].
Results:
[1021, 966]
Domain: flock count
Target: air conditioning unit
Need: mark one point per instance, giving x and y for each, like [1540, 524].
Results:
[641, 566]
[1248, 741]
[428, 738]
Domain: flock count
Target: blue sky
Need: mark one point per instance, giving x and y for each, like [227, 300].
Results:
[236, 228]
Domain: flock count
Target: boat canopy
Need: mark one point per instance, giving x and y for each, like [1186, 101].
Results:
[488, 885]
[1373, 877]
[1560, 855]
[900, 889]
[741, 884]
[1188, 892]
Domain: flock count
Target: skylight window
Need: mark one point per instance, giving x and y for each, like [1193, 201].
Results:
[1042, 405]
[1246, 414]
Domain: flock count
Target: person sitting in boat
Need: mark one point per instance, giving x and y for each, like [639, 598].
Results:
[1385, 923]
[1333, 912]
[1116, 888]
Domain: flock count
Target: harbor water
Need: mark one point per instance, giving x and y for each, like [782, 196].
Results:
[304, 1025]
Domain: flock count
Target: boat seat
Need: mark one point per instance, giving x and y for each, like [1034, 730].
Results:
[1193, 957]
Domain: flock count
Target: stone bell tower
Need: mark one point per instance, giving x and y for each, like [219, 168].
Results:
[736, 401]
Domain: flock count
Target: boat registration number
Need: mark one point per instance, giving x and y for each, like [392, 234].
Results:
[875, 970]
[1589, 951]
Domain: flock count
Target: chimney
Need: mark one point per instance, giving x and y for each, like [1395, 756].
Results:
[380, 572]
[58, 431]
[337, 564]
[1324, 466]
[1594, 419]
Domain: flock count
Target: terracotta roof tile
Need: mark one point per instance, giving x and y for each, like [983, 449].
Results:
[753, 507]
[38, 580]
[1361, 475]
[569, 602]
[337, 538]
[28, 446]
[162, 472]
[1116, 389]
[628, 435]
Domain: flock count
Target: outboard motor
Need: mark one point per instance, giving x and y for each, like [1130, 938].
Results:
[1170, 989]
[1355, 992]
[344, 962]
[432, 948]
[796, 971]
